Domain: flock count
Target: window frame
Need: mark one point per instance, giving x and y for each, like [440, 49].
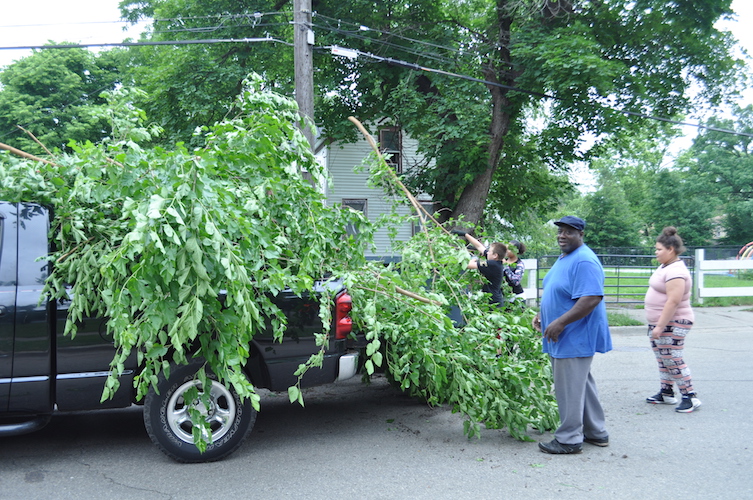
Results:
[430, 207]
[395, 153]
[348, 203]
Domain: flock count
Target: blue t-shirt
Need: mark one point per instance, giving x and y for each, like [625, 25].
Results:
[577, 274]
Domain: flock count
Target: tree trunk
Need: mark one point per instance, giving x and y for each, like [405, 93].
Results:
[472, 201]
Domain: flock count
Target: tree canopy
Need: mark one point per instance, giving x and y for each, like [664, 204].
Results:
[640, 190]
[502, 95]
[56, 96]
[722, 164]
[464, 78]
[706, 189]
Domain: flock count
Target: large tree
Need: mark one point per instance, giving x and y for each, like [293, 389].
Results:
[678, 199]
[724, 164]
[583, 67]
[56, 95]
[641, 188]
[611, 222]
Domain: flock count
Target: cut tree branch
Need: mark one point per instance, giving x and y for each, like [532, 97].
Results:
[26, 155]
[34, 138]
[422, 212]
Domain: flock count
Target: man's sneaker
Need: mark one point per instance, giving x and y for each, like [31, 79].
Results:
[688, 403]
[556, 448]
[597, 441]
[662, 398]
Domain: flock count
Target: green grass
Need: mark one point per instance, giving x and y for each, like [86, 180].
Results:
[725, 302]
[615, 318]
[622, 319]
[632, 288]
[628, 287]
[724, 281]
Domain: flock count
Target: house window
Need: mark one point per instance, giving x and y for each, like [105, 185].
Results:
[354, 204]
[429, 206]
[391, 147]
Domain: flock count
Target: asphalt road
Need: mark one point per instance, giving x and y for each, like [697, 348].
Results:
[372, 442]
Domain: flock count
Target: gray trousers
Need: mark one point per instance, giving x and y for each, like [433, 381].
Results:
[578, 401]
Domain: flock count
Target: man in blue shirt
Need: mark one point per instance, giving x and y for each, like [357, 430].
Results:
[573, 320]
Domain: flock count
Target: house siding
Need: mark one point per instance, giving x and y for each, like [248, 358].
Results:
[347, 184]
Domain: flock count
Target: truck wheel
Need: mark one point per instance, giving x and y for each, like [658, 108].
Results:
[169, 426]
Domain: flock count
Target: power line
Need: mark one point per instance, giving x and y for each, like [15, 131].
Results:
[452, 59]
[389, 60]
[255, 22]
[255, 15]
[416, 67]
[139, 44]
[361, 27]
[387, 44]
[362, 32]
[48, 25]
[211, 29]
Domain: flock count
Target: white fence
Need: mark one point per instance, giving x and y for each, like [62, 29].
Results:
[530, 287]
[703, 267]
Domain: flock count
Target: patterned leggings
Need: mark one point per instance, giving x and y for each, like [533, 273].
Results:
[668, 349]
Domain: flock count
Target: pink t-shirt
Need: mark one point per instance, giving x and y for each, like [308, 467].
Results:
[656, 296]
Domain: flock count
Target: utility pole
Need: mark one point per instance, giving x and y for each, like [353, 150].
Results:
[303, 42]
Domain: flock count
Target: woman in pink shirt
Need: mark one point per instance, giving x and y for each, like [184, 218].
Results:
[670, 318]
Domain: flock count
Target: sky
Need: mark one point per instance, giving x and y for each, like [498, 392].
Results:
[35, 22]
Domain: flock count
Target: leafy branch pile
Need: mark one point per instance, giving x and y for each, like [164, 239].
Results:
[489, 366]
[151, 237]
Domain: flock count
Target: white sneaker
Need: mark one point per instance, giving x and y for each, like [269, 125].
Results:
[688, 404]
[662, 398]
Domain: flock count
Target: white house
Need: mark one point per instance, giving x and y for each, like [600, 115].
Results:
[351, 189]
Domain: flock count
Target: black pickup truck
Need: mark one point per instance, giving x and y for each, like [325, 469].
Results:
[43, 371]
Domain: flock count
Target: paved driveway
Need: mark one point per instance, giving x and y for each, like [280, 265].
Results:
[355, 441]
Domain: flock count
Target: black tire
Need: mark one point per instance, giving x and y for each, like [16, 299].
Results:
[169, 426]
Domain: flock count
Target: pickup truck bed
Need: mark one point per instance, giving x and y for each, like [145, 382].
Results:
[41, 370]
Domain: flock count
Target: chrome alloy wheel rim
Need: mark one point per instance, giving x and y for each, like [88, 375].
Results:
[220, 414]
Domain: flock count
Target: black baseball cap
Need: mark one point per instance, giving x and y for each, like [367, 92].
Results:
[572, 221]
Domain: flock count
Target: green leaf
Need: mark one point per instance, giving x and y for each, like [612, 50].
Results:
[156, 351]
[155, 207]
[377, 358]
[294, 393]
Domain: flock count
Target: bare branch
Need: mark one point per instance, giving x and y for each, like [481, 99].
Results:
[422, 212]
[26, 155]
[34, 138]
